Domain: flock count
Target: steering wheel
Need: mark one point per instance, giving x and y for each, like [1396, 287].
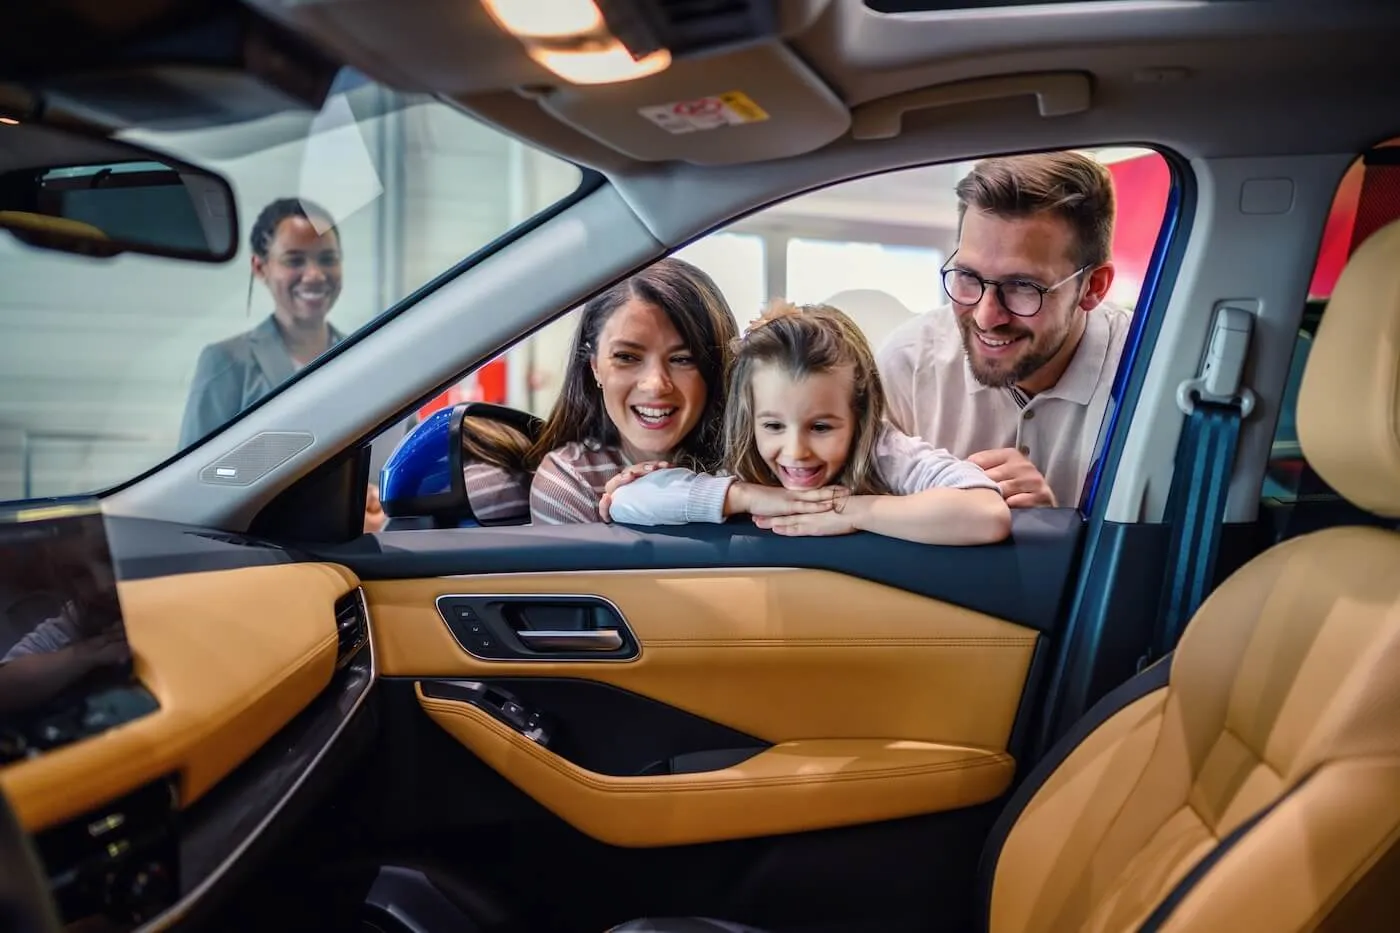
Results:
[26, 906]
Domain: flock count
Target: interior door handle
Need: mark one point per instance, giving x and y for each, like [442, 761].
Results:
[607, 639]
[538, 627]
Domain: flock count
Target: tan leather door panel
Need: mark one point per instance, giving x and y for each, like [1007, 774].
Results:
[790, 787]
[877, 702]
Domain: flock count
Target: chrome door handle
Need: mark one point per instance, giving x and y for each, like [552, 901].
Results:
[607, 639]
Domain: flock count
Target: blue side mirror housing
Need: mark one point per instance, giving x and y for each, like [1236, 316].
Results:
[423, 476]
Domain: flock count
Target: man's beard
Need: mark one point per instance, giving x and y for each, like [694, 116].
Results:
[1037, 351]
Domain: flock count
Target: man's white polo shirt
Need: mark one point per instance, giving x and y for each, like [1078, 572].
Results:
[933, 394]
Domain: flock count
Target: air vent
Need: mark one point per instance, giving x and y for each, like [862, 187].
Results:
[352, 625]
[694, 11]
[236, 539]
[689, 27]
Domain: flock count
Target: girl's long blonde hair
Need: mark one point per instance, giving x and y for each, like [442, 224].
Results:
[803, 340]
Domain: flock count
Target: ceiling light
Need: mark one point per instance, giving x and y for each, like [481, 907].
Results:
[571, 39]
[606, 64]
[9, 121]
[546, 19]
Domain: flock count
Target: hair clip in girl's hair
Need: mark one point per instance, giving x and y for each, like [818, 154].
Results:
[774, 310]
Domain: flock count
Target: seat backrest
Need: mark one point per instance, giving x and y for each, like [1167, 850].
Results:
[1254, 783]
[875, 312]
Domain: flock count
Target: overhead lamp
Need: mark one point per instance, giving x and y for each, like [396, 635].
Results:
[607, 64]
[571, 38]
[546, 19]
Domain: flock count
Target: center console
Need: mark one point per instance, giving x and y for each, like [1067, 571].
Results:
[116, 867]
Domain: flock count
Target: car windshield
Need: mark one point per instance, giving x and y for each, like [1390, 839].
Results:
[110, 367]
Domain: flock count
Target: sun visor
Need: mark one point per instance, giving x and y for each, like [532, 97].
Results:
[754, 104]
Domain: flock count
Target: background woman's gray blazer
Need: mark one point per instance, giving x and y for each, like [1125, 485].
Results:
[233, 374]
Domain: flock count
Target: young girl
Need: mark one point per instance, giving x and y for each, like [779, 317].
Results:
[806, 412]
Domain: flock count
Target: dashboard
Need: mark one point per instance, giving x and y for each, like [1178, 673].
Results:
[141, 784]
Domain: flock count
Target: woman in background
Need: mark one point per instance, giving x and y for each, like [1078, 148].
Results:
[297, 256]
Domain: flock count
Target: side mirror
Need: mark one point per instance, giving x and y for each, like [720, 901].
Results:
[462, 465]
[65, 190]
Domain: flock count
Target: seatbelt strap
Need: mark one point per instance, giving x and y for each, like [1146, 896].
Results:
[1215, 404]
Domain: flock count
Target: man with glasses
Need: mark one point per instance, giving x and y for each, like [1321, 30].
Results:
[1014, 373]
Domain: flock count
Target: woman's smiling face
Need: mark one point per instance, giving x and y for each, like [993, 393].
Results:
[302, 271]
[652, 389]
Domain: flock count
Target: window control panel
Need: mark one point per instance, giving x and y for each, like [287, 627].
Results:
[472, 631]
[506, 707]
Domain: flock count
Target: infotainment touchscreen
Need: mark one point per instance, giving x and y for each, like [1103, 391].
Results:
[65, 664]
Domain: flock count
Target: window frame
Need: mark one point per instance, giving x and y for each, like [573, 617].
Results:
[1159, 278]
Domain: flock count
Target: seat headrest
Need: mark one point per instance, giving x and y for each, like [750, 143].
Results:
[1349, 402]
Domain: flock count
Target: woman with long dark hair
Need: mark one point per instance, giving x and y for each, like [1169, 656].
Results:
[645, 382]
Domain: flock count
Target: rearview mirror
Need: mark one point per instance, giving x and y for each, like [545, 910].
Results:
[463, 465]
[66, 190]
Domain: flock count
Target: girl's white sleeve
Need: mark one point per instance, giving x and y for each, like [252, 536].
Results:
[910, 464]
[673, 496]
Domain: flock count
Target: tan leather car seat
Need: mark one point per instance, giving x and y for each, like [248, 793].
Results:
[1250, 781]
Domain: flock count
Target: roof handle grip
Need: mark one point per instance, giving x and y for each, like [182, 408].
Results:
[1057, 93]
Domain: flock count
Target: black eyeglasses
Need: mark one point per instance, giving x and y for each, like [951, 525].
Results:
[1018, 296]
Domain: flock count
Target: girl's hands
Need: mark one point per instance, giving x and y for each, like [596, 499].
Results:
[772, 501]
[840, 519]
[757, 500]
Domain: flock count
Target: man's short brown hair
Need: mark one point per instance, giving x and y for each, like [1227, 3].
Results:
[1066, 184]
